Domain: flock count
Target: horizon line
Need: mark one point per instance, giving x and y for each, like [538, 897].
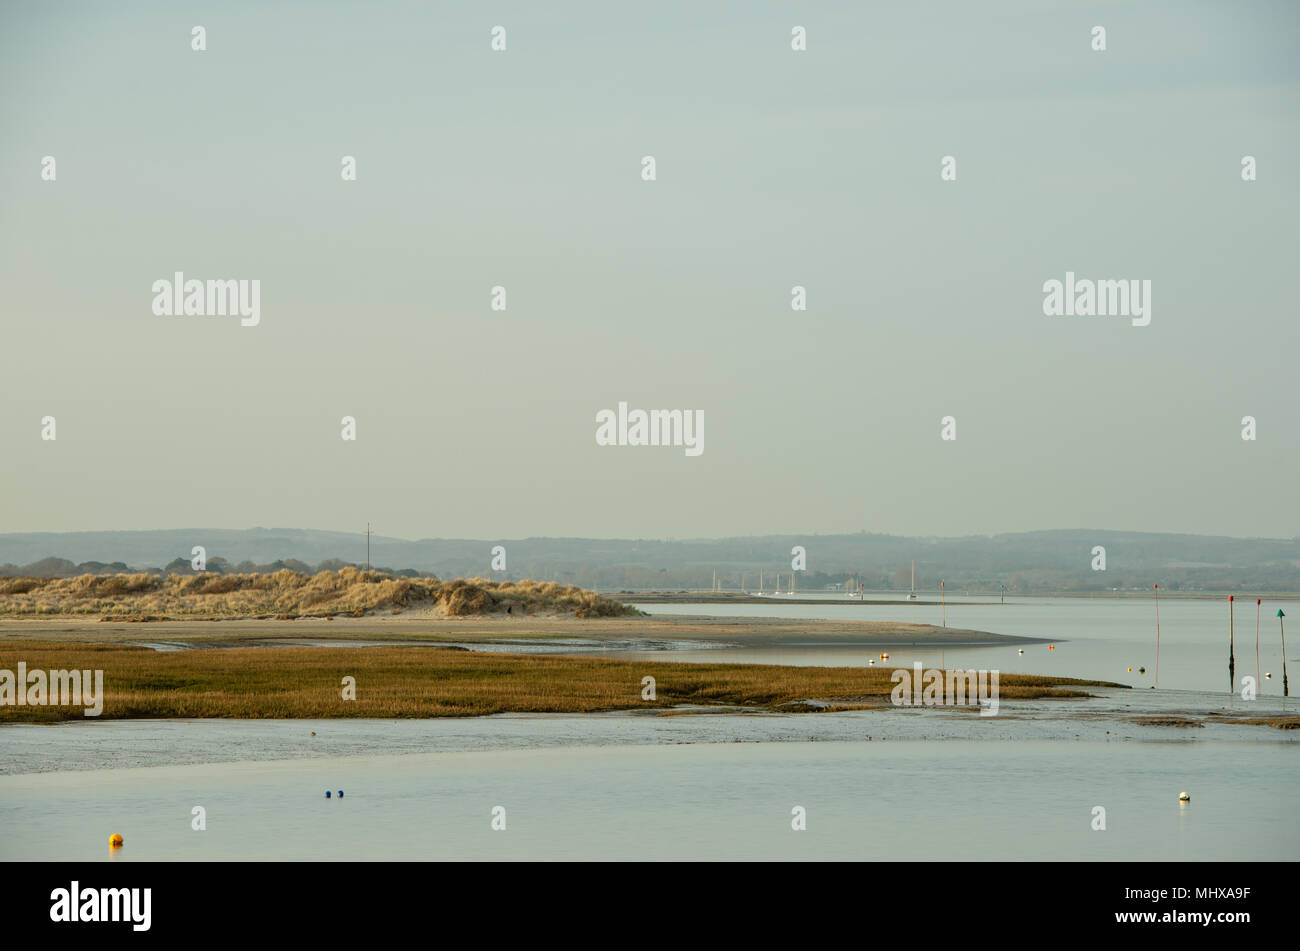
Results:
[632, 538]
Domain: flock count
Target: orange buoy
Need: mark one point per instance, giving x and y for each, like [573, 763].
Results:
[114, 841]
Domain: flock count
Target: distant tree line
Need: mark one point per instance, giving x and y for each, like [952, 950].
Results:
[63, 568]
[1026, 563]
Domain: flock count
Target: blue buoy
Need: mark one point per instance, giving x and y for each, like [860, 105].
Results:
[340, 794]
[327, 794]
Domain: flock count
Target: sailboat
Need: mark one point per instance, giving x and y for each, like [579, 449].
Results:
[912, 596]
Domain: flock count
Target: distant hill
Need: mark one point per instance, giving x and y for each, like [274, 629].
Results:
[1028, 562]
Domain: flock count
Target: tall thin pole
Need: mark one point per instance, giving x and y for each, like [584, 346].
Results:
[1286, 691]
[1257, 680]
[944, 602]
[1232, 663]
[368, 534]
[1157, 587]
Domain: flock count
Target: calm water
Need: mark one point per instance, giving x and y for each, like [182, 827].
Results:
[91, 745]
[894, 801]
[1099, 638]
[888, 784]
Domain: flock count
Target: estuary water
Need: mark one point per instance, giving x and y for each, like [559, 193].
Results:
[878, 801]
[1093, 638]
[881, 785]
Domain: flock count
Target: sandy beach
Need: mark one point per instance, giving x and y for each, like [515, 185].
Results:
[647, 633]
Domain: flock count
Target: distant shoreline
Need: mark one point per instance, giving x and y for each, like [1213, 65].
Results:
[737, 597]
[878, 597]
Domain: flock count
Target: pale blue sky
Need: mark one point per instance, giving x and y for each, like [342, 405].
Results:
[774, 168]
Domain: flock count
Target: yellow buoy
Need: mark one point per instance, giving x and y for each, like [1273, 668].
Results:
[114, 841]
[1130, 670]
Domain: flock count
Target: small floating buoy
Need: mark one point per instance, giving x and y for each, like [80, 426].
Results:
[1130, 670]
[340, 794]
[884, 657]
[871, 663]
[327, 794]
[1051, 647]
[114, 841]
[1268, 676]
[1142, 670]
[1183, 797]
[313, 732]
[1021, 651]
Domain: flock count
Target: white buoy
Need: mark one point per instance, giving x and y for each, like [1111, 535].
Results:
[1021, 651]
[1183, 797]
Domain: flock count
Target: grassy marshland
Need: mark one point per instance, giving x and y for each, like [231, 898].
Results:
[293, 683]
[289, 594]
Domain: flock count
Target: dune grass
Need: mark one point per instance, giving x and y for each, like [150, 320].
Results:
[255, 683]
[289, 594]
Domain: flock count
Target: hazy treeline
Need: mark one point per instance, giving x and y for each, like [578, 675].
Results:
[63, 568]
[1030, 562]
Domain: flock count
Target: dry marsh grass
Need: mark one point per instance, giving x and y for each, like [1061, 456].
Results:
[1167, 721]
[1278, 722]
[289, 594]
[306, 683]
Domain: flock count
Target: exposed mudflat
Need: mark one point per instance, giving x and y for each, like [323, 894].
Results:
[647, 633]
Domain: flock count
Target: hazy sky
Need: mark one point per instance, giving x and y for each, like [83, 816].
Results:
[522, 168]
